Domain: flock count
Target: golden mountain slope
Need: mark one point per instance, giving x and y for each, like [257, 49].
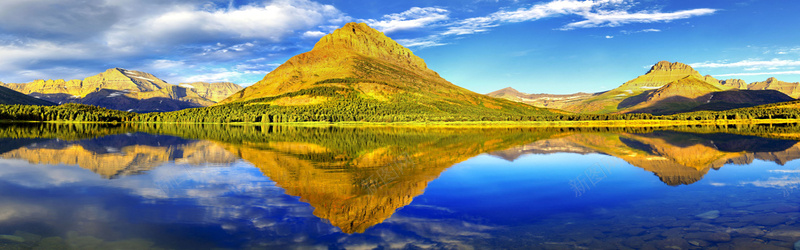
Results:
[383, 171]
[358, 64]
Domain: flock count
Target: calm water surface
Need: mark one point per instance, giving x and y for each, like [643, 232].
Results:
[96, 187]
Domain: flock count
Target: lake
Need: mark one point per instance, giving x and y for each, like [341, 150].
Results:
[85, 186]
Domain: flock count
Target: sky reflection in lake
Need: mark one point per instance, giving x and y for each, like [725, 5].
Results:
[397, 188]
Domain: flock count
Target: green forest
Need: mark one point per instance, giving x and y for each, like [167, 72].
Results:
[357, 109]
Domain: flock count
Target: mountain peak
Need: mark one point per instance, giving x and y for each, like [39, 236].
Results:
[510, 89]
[364, 40]
[771, 80]
[122, 79]
[672, 67]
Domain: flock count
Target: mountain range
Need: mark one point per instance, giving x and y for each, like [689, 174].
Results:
[357, 73]
[127, 90]
[667, 88]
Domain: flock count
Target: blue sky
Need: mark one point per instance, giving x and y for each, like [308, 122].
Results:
[550, 46]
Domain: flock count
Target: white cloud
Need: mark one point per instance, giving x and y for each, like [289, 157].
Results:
[226, 75]
[782, 182]
[609, 37]
[471, 26]
[272, 21]
[627, 32]
[313, 34]
[615, 18]
[413, 18]
[17, 56]
[554, 8]
[748, 63]
[597, 13]
[423, 42]
[57, 19]
[91, 35]
[165, 64]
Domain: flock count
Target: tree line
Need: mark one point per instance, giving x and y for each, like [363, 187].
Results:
[354, 108]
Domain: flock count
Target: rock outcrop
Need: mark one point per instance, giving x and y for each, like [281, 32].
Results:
[789, 88]
[734, 83]
[662, 73]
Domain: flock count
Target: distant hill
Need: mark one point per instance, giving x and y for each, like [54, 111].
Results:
[127, 90]
[540, 100]
[667, 88]
[358, 73]
[9, 96]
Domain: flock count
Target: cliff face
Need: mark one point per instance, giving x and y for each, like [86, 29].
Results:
[127, 90]
[661, 74]
[734, 83]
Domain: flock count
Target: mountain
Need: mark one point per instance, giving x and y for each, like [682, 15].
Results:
[540, 100]
[642, 88]
[9, 96]
[667, 88]
[789, 88]
[357, 70]
[127, 90]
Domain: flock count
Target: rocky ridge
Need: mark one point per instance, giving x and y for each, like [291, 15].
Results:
[127, 90]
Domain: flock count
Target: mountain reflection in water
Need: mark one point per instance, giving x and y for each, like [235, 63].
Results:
[675, 157]
[356, 178]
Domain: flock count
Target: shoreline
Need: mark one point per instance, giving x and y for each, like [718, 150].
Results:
[555, 124]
